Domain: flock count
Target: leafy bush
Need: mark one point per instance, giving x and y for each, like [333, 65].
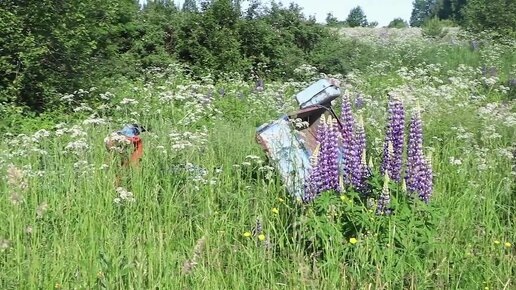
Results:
[494, 15]
[434, 28]
[398, 23]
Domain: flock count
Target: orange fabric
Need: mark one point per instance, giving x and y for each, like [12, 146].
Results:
[138, 149]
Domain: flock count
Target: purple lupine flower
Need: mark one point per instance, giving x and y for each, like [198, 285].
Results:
[315, 180]
[385, 198]
[358, 149]
[312, 185]
[395, 134]
[325, 172]
[427, 179]
[348, 124]
[388, 153]
[419, 170]
[330, 156]
[359, 101]
[365, 187]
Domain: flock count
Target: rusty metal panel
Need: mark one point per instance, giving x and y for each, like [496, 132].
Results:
[290, 148]
[287, 153]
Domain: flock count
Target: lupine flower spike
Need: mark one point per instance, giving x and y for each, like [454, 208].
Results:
[385, 198]
[348, 124]
[330, 156]
[419, 172]
[314, 182]
[360, 171]
[395, 134]
[325, 172]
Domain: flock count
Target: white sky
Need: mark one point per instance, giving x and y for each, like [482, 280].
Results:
[382, 11]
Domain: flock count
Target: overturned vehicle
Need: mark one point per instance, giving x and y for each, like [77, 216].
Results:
[290, 141]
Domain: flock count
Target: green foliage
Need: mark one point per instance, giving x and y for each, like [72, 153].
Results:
[331, 20]
[422, 10]
[52, 48]
[433, 28]
[372, 24]
[398, 23]
[342, 223]
[68, 47]
[190, 6]
[451, 10]
[356, 17]
[497, 15]
[333, 54]
[188, 229]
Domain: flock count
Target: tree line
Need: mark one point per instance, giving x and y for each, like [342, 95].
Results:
[52, 47]
[49, 47]
[476, 15]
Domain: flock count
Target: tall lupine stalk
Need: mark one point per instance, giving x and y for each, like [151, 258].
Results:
[385, 198]
[359, 169]
[395, 133]
[325, 163]
[419, 170]
[348, 124]
[315, 179]
[330, 155]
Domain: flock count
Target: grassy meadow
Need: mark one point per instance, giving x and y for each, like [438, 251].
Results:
[205, 210]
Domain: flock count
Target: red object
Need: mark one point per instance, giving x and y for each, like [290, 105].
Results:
[138, 149]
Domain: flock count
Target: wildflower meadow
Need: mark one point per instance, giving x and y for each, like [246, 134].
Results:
[413, 184]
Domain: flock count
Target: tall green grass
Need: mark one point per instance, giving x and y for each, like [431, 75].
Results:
[179, 233]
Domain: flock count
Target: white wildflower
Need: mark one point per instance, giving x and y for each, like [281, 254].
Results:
[127, 101]
[83, 108]
[79, 145]
[454, 161]
[123, 196]
[94, 121]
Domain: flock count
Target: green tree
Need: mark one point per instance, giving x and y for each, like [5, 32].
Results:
[398, 23]
[73, 40]
[494, 15]
[356, 17]
[154, 44]
[254, 10]
[450, 10]
[331, 20]
[422, 10]
[190, 6]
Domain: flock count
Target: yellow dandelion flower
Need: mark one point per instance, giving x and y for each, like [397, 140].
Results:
[58, 286]
[353, 241]
[261, 237]
[507, 244]
[496, 242]
[343, 198]
[275, 210]
[247, 234]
